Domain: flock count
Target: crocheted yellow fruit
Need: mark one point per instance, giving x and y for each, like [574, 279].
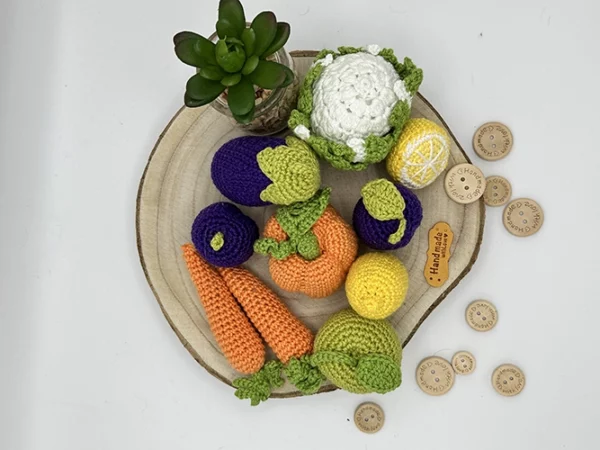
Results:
[420, 155]
[376, 285]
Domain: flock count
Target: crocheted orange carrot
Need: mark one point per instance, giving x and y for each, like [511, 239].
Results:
[235, 335]
[283, 332]
[311, 247]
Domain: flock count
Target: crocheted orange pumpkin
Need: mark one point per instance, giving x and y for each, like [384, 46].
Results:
[311, 247]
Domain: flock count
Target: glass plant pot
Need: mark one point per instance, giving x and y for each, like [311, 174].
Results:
[273, 107]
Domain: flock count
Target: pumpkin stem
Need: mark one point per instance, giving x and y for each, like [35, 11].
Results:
[296, 221]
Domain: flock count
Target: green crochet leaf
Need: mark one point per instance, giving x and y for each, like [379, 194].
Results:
[217, 242]
[293, 170]
[258, 387]
[383, 201]
[297, 221]
[379, 373]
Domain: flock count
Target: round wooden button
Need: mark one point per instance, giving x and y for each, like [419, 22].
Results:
[523, 217]
[463, 363]
[369, 417]
[435, 375]
[508, 380]
[497, 191]
[493, 141]
[481, 315]
[464, 183]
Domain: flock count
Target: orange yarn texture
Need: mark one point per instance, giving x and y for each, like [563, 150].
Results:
[282, 331]
[235, 335]
[324, 275]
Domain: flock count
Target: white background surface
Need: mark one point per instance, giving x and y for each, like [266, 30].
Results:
[89, 362]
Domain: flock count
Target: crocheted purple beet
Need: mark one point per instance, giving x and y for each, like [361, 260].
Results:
[376, 233]
[223, 235]
[235, 171]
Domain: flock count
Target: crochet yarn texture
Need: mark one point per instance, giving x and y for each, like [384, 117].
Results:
[223, 235]
[281, 330]
[235, 336]
[356, 354]
[311, 247]
[376, 285]
[380, 232]
[421, 154]
[354, 103]
[258, 171]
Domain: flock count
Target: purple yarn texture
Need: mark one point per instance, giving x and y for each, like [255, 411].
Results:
[375, 233]
[239, 233]
[235, 171]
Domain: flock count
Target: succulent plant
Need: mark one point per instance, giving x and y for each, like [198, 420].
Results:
[238, 61]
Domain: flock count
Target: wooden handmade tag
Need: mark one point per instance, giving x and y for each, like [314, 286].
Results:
[438, 254]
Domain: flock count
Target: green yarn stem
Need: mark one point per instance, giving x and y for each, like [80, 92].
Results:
[303, 374]
[217, 242]
[377, 148]
[378, 373]
[297, 221]
[258, 387]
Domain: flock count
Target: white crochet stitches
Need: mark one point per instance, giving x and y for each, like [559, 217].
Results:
[373, 49]
[401, 91]
[353, 99]
[302, 132]
[358, 145]
[325, 61]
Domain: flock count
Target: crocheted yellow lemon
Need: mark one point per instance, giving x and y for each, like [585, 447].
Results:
[376, 285]
[420, 155]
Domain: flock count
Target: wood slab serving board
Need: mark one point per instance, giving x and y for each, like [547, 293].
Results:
[176, 185]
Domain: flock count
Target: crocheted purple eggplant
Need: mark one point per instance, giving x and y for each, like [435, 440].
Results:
[387, 215]
[259, 171]
[223, 235]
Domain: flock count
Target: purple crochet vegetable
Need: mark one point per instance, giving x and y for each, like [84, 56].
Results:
[386, 233]
[259, 171]
[223, 235]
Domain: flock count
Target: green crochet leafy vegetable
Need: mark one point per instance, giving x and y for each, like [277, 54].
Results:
[237, 62]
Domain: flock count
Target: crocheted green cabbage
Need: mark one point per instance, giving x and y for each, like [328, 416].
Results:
[376, 148]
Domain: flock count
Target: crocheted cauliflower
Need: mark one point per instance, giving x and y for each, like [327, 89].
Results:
[354, 104]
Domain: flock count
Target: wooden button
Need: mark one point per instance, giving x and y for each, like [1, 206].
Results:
[497, 191]
[493, 141]
[523, 217]
[369, 418]
[481, 315]
[463, 363]
[435, 376]
[465, 183]
[508, 380]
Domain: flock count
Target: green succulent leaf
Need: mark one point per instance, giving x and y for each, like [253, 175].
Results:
[246, 118]
[225, 28]
[249, 39]
[265, 28]
[233, 40]
[212, 73]
[203, 91]
[196, 52]
[232, 12]
[240, 97]
[281, 37]
[289, 76]
[190, 102]
[231, 80]
[231, 61]
[183, 35]
[250, 65]
[268, 75]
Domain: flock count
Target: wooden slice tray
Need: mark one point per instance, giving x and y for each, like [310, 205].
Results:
[176, 185]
